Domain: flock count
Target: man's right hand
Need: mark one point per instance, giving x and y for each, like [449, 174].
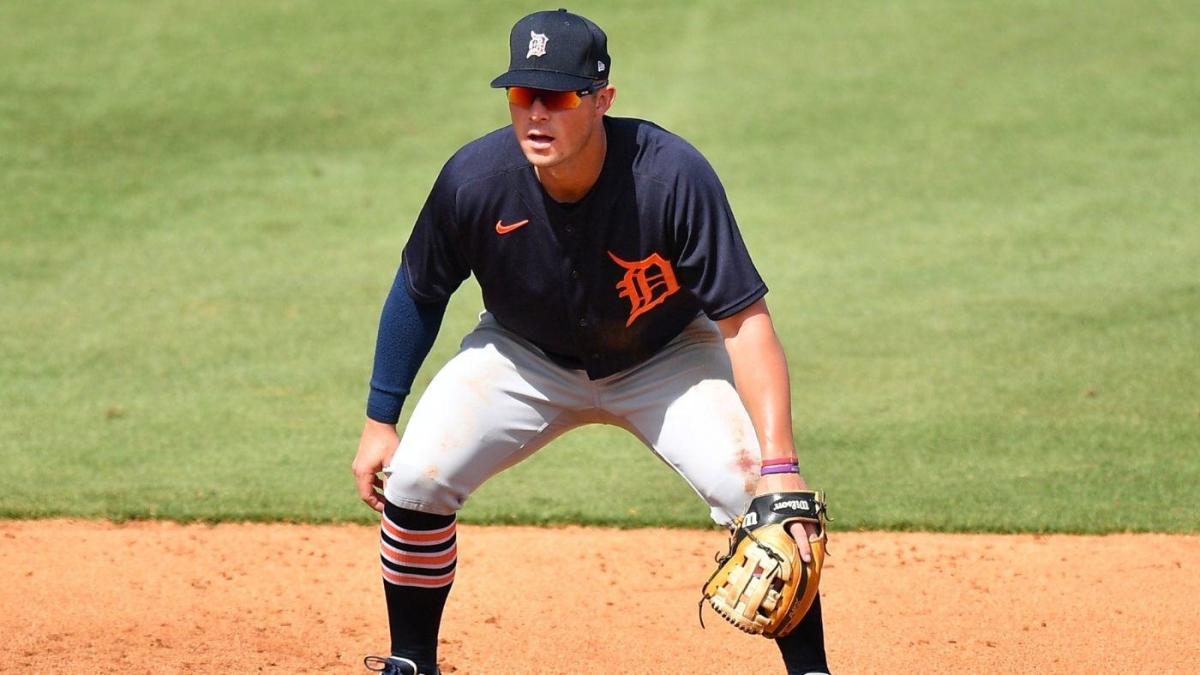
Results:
[375, 448]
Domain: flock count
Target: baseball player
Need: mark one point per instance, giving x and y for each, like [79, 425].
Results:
[617, 290]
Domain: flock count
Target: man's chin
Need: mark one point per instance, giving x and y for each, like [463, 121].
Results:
[540, 158]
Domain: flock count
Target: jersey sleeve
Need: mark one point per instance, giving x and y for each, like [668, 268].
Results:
[433, 256]
[711, 259]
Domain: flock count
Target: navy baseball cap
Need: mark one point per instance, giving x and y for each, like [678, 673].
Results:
[556, 50]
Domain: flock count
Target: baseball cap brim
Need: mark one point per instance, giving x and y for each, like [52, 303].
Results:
[542, 79]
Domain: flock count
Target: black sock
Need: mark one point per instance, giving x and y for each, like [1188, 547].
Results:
[804, 648]
[419, 554]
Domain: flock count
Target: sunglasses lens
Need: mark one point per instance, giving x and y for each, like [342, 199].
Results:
[553, 100]
[521, 96]
[561, 100]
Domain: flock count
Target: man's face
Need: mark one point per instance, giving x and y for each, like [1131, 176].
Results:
[552, 138]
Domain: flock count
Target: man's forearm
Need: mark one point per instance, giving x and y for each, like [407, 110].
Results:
[760, 373]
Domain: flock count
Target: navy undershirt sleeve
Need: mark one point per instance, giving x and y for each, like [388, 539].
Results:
[407, 329]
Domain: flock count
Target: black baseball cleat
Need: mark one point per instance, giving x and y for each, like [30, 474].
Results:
[393, 665]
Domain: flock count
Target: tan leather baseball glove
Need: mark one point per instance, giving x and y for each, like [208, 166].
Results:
[761, 585]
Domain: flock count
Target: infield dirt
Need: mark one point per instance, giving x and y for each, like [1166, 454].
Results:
[243, 598]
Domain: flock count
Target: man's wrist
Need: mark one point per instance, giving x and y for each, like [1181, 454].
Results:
[783, 481]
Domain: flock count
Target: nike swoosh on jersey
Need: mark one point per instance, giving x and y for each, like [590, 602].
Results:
[501, 228]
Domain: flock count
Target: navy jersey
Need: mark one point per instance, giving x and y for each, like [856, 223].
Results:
[599, 284]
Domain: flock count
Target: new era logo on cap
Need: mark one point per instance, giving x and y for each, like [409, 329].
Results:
[556, 50]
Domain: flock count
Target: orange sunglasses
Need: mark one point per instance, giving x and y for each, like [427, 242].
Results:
[553, 100]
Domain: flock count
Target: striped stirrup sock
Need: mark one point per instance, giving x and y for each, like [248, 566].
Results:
[418, 554]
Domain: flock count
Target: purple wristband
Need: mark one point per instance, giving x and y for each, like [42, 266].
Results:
[780, 468]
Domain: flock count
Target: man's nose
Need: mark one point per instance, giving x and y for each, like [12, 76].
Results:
[538, 110]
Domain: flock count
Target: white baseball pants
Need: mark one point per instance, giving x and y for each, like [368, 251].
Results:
[500, 399]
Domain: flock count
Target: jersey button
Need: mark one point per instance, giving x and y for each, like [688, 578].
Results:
[595, 356]
[583, 323]
[570, 229]
[574, 274]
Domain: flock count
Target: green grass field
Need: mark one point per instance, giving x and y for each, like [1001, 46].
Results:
[979, 222]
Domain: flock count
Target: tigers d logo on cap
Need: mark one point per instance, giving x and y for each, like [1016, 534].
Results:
[537, 45]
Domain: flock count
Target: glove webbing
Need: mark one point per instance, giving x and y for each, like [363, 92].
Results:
[721, 562]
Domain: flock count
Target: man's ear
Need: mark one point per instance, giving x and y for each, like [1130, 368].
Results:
[605, 98]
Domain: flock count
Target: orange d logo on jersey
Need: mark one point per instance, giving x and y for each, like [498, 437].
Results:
[647, 283]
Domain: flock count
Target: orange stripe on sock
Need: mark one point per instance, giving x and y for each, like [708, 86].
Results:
[399, 579]
[440, 559]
